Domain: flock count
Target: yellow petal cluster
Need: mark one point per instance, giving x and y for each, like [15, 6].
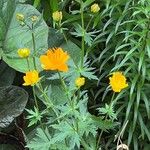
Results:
[95, 8]
[55, 59]
[118, 82]
[57, 16]
[20, 17]
[31, 78]
[23, 52]
[80, 82]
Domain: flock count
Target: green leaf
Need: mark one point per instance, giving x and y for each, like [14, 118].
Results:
[87, 71]
[12, 31]
[41, 141]
[54, 5]
[87, 3]
[73, 50]
[7, 74]
[103, 124]
[12, 102]
[36, 3]
[55, 38]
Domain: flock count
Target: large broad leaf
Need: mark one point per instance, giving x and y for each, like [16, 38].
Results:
[7, 74]
[12, 103]
[55, 38]
[14, 36]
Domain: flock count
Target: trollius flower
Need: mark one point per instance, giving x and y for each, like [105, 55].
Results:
[57, 16]
[31, 78]
[118, 81]
[23, 52]
[95, 8]
[55, 59]
[80, 81]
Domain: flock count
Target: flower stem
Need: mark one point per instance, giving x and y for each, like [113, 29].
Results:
[28, 63]
[36, 104]
[34, 48]
[89, 23]
[35, 99]
[65, 88]
[83, 34]
[99, 138]
[48, 101]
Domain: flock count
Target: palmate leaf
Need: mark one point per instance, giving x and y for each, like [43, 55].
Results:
[66, 131]
[41, 141]
[88, 35]
[87, 71]
[108, 110]
[103, 124]
[11, 31]
[76, 123]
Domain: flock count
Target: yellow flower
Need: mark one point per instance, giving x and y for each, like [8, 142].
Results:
[23, 52]
[31, 78]
[80, 81]
[57, 16]
[95, 8]
[20, 17]
[55, 59]
[118, 81]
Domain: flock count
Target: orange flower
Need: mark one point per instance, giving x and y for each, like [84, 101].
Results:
[55, 59]
[31, 78]
[118, 81]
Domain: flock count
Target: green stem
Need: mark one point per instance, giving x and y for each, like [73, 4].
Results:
[112, 98]
[64, 87]
[83, 35]
[48, 101]
[35, 99]
[64, 36]
[89, 23]
[36, 104]
[28, 63]
[99, 138]
[34, 48]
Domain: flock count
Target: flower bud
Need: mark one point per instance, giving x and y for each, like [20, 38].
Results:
[34, 18]
[57, 16]
[23, 52]
[80, 81]
[20, 17]
[95, 8]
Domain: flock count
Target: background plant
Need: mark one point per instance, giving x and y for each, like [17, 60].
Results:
[115, 39]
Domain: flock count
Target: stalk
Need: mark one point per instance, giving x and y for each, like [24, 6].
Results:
[83, 35]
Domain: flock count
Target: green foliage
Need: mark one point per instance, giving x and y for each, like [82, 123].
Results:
[125, 26]
[108, 111]
[114, 39]
[11, 31]
[33, 116]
